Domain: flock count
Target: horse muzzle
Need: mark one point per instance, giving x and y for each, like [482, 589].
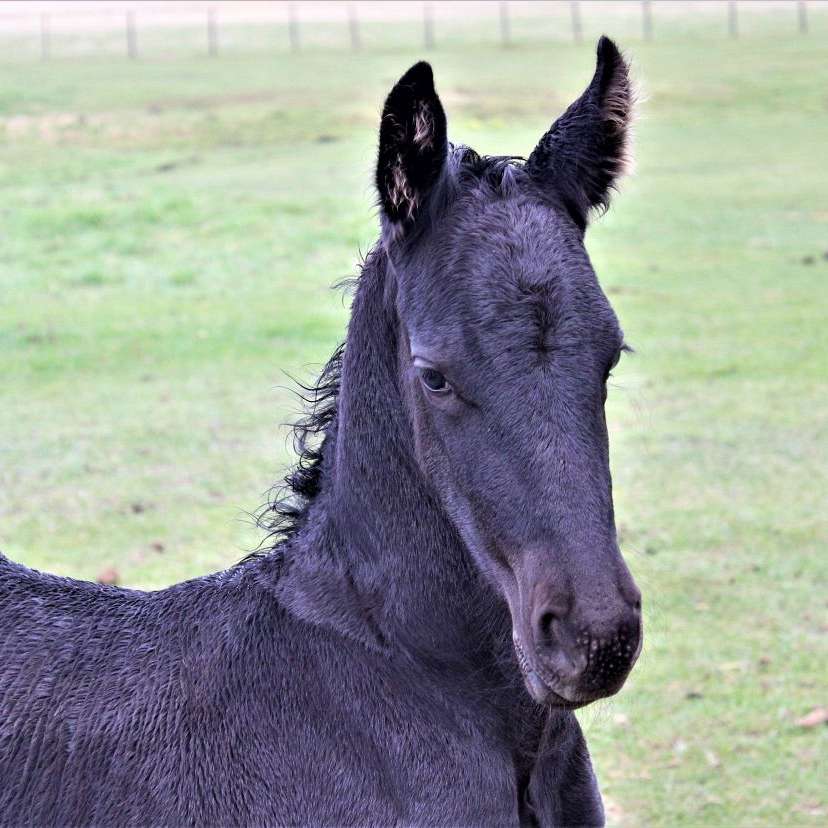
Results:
[569, 659]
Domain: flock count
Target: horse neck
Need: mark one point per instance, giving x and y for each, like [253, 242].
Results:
[377, 517]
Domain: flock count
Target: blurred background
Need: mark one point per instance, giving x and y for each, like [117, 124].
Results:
[181, 183]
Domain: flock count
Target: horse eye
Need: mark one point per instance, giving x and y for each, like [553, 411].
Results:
[434, 381]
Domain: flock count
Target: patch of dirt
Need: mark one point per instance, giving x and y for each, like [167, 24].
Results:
[108, 576]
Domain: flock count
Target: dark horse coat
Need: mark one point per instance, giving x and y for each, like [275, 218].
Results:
[363, 669]
[211, 704]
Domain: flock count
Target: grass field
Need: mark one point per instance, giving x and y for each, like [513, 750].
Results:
[170, 229]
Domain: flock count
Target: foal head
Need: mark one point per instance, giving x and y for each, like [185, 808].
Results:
[506, 341]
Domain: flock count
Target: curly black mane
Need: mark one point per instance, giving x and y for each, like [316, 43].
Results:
[284, 513]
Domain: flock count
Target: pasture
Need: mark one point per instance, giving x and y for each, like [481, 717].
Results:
[170, 232]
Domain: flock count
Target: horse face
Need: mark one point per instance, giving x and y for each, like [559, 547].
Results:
[506, 342]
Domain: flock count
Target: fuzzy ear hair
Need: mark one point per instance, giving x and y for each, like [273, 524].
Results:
[412, 144]
[586, 150]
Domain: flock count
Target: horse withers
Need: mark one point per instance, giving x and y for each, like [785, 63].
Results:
[443, 583]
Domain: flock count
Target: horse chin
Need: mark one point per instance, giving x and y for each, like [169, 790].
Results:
[544, 695]
[540, 689]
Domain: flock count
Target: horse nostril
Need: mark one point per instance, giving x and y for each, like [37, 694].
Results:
[631, 596]
[545, 631]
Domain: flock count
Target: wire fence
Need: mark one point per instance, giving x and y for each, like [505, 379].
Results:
[55, 30]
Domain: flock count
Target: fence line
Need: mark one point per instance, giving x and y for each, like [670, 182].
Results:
[353, 27]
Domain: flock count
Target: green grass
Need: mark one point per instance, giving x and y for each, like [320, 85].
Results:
[169, 232]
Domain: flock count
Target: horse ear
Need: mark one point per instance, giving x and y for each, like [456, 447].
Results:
[412, 145]
[586, 150]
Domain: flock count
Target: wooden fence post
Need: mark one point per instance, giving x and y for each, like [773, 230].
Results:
[732, 19]
[647, 19]
[505, 33]
[353, 27]
[575, 10]
[131, 36]
[45, 37]
[802, 13]
[293, 28]
[428, 25]
[212, 33]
